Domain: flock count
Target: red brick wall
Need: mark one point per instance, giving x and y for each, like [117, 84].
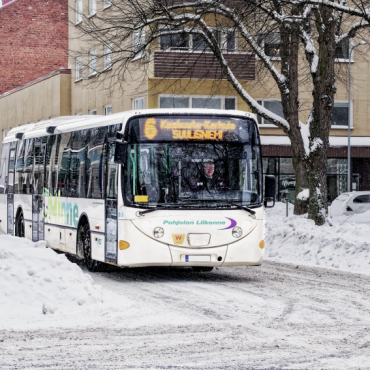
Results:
[33, 40]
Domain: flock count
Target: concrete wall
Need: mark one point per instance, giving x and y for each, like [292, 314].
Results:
[49, 96]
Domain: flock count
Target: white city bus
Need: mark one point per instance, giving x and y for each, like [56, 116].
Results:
[164, 187]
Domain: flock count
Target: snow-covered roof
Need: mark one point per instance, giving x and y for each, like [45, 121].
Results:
[333, 140]
[71, 123]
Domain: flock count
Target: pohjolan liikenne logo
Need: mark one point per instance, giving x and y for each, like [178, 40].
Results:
[233, 223]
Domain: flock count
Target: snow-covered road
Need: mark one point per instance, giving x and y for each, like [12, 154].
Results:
[273, 316]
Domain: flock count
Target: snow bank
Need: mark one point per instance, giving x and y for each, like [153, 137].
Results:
[295, 239]
[37, 284]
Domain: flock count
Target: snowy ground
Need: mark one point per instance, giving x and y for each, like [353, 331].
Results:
[344, 246]
[275, 316]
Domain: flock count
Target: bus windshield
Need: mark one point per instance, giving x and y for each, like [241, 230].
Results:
[200, 161]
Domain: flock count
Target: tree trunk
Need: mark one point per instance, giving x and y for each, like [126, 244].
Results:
[323, 102]
[289, 52]
[301, 178]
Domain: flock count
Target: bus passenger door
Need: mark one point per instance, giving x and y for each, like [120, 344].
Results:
[37, 197]
[11, 192]
[111, 242]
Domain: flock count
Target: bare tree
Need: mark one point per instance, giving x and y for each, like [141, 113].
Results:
[313, 28]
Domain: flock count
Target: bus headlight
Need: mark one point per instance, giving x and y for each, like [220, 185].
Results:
[237, 232]
[158, 232]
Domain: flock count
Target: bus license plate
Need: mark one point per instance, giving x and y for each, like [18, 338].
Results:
[197, 258]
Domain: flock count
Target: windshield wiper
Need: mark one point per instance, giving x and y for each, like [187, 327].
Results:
[159, 207]
[225, 201]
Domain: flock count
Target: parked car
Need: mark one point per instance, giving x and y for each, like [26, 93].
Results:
[355, 206]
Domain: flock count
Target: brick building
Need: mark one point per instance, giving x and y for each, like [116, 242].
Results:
[33, 40]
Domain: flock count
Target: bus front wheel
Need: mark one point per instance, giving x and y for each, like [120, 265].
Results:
[91, 265]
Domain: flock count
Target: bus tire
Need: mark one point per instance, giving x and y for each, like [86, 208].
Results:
[91, 265]
[19, 225]
[202, 269]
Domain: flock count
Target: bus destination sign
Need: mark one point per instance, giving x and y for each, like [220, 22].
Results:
[184, 128]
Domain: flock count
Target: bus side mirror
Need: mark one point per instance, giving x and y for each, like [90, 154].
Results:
[270, 190]
[120, 154]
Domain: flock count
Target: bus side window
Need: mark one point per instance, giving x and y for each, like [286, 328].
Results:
[28, 167]
[4, 164]
[19, 179]
[38, 165]
[78, 164]
[64, 157]
[96, 159]
[50, 164]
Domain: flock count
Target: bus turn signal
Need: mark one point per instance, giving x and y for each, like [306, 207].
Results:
[123, 245]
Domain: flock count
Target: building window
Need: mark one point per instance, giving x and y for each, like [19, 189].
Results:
[79, 114]
[78, 11]
[200, 45]
[272, 105]
[4, 131]
[107, 3]
[230, 40]
[339, 114]
[79, 68]
[270, 44]
[92, 112]
[183, 41]
[92, 62]
[107, 110]
[342, 50]
[107, 56]
[205, 102]
[138, 103]
[92, 7]
[138, 41]
[179, 41]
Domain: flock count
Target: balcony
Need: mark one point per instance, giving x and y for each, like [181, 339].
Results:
[183, 64]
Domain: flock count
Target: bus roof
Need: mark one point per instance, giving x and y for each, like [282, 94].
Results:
[73, 123]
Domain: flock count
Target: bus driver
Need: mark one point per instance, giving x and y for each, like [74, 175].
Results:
[208, 181]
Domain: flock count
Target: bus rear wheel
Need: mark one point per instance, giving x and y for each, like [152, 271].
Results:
[19, 225]
[202, 269]
[91, 265]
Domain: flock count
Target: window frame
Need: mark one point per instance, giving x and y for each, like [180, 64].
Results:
[105, 109]
[222, 42]
[223, 97]
[262, 46]
[92, 13]
[78, 12]
[107, 57]
[141, 41]
[346, 60]
[93, 110]
[136, 100]
[266, 125]
[107, 4]
[92, 59]
[79, 65]
[344, 127]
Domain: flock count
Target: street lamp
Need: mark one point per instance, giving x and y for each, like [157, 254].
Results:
[349, 115]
